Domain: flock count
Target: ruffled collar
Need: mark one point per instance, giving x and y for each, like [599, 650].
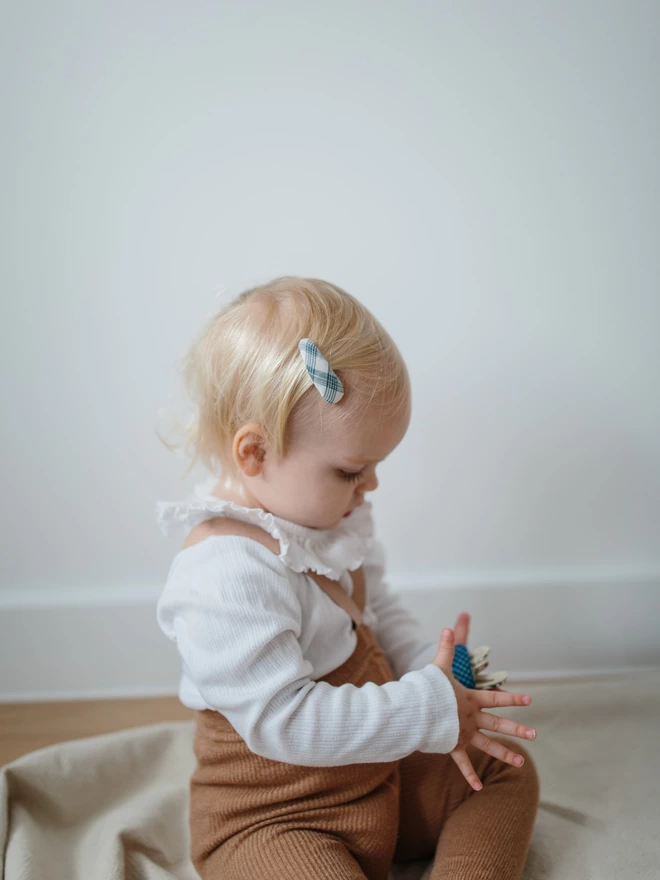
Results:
[326, 551]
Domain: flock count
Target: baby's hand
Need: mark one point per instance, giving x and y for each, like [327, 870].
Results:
[471, 718]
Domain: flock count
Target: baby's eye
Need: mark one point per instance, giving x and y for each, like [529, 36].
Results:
[350, 476]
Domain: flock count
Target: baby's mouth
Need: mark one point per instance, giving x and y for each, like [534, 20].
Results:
[349, 512]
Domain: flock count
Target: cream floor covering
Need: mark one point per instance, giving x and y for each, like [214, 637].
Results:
[115, 806]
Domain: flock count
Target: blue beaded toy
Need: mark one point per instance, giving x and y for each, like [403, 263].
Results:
[468, 665]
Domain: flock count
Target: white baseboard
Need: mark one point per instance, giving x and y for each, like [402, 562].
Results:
[69, 645]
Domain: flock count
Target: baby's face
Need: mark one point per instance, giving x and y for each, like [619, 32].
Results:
[329, 466]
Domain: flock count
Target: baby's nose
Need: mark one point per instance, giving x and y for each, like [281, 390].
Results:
[370, 483]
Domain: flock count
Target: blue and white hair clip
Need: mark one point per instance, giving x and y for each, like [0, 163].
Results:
[322, 375]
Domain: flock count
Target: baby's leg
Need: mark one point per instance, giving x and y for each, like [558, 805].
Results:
[281, 853]
[479, 834]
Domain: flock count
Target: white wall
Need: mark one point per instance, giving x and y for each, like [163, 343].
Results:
[484, 176]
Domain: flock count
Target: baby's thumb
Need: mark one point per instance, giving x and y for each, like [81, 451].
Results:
[445, 656]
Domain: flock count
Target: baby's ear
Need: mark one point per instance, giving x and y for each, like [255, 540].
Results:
[249, 450]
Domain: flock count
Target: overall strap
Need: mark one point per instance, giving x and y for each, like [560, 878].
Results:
[223, 525]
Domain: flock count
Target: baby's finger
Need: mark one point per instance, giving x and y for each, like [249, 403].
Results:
[497, 750]
[462, 628]
[445, 656]
[486, 721]
[490, 699]
[464, 764]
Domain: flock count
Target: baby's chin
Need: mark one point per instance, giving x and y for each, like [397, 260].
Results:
[322, 523]
[344, 518]
[331, 524]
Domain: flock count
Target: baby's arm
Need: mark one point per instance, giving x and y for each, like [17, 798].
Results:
[236, 618]
[398, 632]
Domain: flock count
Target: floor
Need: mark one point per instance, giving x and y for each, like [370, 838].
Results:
[25, 727]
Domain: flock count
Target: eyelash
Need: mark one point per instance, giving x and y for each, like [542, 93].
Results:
[350, 476]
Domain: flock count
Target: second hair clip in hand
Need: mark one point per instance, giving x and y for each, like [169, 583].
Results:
[468, 667]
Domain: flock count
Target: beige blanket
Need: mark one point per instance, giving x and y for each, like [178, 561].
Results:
[115, 806]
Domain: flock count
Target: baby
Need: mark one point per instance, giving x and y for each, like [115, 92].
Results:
[331, 739]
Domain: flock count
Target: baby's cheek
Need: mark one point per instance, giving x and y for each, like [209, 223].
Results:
[336, 497]
[325, 490]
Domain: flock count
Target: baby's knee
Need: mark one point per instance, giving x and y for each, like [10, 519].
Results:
[527, 775]
[525, 778]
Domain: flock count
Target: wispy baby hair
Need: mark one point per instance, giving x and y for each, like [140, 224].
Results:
[245, 366]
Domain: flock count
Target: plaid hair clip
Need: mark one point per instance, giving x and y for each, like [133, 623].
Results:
[468, 666]
[322, 375]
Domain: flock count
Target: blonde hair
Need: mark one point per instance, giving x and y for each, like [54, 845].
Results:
[245, 365]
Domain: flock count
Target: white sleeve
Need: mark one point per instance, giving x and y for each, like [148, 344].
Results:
[236, 619]
[399, 633]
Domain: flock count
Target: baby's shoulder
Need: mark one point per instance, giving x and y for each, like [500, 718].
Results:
[223, 546]
[222, 525]
[225, 579]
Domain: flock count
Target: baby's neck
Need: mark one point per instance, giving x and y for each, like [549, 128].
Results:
[226, 490]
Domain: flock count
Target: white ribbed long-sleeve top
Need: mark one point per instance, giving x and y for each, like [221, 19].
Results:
[254, 633]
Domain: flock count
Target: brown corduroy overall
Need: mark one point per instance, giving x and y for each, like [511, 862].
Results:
[252, 817]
